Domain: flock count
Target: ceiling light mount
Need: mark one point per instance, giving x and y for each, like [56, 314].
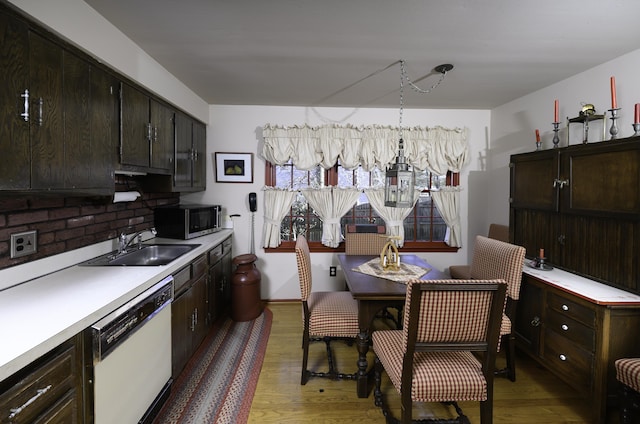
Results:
[444, 68]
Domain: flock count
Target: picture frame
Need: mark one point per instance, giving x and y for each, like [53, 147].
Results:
[233, 167]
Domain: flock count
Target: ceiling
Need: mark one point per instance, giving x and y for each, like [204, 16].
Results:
[346, 52]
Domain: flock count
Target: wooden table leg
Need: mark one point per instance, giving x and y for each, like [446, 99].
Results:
[362, 380]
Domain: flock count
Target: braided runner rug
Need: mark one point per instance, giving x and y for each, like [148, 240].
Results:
[218, 382]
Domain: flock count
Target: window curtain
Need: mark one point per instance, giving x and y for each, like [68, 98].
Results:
[435, 149]
[276, 205]
[393, 217]
[447, 200]
[331, 203]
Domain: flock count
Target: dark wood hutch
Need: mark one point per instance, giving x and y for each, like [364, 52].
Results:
[581, 204]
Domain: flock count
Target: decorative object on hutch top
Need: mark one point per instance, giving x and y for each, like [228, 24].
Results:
[399, 179]
[581, 203]
[556, 123]
[614, 110]
[586, 115]
[233, 167]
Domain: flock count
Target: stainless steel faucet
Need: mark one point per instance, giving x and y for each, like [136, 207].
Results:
[124, 243]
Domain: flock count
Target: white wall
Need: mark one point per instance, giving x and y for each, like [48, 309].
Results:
[513, 124]
[239, 129]
[83, 26]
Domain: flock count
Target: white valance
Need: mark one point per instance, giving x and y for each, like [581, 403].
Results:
[435, 149]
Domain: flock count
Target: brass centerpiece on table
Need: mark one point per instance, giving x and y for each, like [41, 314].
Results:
[389, 257]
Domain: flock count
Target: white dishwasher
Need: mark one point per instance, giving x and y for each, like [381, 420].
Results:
[132, 358]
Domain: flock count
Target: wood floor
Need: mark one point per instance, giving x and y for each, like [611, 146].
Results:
[536, 397]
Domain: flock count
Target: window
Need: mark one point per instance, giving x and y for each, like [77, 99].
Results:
[424, 227]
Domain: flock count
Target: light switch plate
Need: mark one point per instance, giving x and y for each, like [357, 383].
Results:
[23, 244]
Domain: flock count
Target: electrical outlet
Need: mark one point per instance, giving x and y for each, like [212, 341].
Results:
[332, 271]
[23, 244]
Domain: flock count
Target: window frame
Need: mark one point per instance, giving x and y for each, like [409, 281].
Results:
[331, 179]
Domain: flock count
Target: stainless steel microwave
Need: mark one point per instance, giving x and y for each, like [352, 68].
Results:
[187, 221]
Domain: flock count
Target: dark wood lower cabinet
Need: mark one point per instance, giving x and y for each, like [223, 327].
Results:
[189, 313]
[47, 391]
[577, 338]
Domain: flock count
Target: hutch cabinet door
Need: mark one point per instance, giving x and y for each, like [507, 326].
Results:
[533, 177]
[602, 179]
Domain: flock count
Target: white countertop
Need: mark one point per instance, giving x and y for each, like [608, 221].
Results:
[39, 314]
[585, 288]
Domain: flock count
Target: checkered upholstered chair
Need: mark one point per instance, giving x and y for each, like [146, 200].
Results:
[327, 316]
[446, 352]
[369, 240]
[628, 374]
[358, 242]
[497, 259]
[496, 232]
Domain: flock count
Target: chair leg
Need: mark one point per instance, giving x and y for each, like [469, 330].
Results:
[305, 357]
[509, 347]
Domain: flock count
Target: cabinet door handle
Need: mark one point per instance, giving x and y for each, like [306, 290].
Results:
[148, 128]
[565, 308]
[535, 322]
[562, 357]
[25, 114]
[16, 411]
[565, 327]
[40, 112]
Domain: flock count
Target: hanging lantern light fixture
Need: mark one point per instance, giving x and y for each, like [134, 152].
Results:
[400, 177]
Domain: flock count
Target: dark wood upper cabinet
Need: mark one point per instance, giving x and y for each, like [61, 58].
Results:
[47, 113]
[68, 123]
[190, 154]
[147, 132]
[533, 180]
[582, 205]
[602, 179]
[14, 88]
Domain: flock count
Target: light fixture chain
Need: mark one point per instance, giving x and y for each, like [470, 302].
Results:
[403, 72]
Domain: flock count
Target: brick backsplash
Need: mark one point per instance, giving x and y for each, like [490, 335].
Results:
[67, 223]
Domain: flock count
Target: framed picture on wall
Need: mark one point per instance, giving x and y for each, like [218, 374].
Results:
[233, 167]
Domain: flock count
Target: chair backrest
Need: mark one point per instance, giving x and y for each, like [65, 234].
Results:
[496, 259]
[499, 232]
[449, 315]
[364, 239]
[303, 259]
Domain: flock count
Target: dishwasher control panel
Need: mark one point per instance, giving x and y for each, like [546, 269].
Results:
[114, 328]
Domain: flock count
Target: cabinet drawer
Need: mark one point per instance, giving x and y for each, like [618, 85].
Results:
[573, 330]
[572, 309]
[199, 266]
[569, 360]
[40, 389]
[180, 279]
[215, 254]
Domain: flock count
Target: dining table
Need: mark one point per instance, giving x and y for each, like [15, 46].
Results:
[376, 288]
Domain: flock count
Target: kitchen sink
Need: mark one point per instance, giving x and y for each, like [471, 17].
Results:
[147, 255]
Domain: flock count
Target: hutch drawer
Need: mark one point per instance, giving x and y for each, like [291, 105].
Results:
[572, 330]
